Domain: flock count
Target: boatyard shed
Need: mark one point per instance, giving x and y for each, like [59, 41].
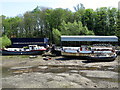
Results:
[89, 39]
[21, 42]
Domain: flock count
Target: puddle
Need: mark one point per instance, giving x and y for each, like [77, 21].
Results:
[110, 68]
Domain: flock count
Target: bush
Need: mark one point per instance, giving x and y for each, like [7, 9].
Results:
[56, 35]
[5, 41]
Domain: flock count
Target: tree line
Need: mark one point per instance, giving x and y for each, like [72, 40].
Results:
[43, 22]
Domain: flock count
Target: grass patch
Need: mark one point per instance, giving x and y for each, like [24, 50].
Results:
[24, 56]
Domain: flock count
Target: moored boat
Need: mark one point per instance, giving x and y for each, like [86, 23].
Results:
[90, 53]
[87, 46]
[30, 50]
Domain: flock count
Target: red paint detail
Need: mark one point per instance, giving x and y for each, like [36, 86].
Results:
[80, 48]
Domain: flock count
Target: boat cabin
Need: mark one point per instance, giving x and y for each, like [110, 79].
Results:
[102, 49]
[27, 48]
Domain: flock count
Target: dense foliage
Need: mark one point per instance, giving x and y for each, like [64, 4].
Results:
[51, 23]
[5, 41]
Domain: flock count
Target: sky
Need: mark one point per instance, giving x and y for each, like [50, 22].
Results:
[11, 8]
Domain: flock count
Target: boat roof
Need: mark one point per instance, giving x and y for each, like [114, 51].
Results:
[90, 38]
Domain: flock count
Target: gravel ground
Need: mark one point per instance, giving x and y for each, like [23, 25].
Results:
[88, 75]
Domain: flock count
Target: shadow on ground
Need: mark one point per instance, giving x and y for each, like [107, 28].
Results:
[83, 60]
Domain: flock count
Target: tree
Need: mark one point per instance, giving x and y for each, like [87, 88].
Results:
[46, 22]
[75, 28]
[11, 26]
[56, 35]
[112, 19]
[101, 21]
[79, 7]
[5, 41]
[54, 19]
[89, 19]
[40, 22]
[117, 32]
[28, 24]
[79, 16]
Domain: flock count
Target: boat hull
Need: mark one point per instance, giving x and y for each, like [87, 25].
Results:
[87, 56]
[102, 58]
[33, 52]
[83, 56]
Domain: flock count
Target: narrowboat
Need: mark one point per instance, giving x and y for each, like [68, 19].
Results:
[29, 50]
